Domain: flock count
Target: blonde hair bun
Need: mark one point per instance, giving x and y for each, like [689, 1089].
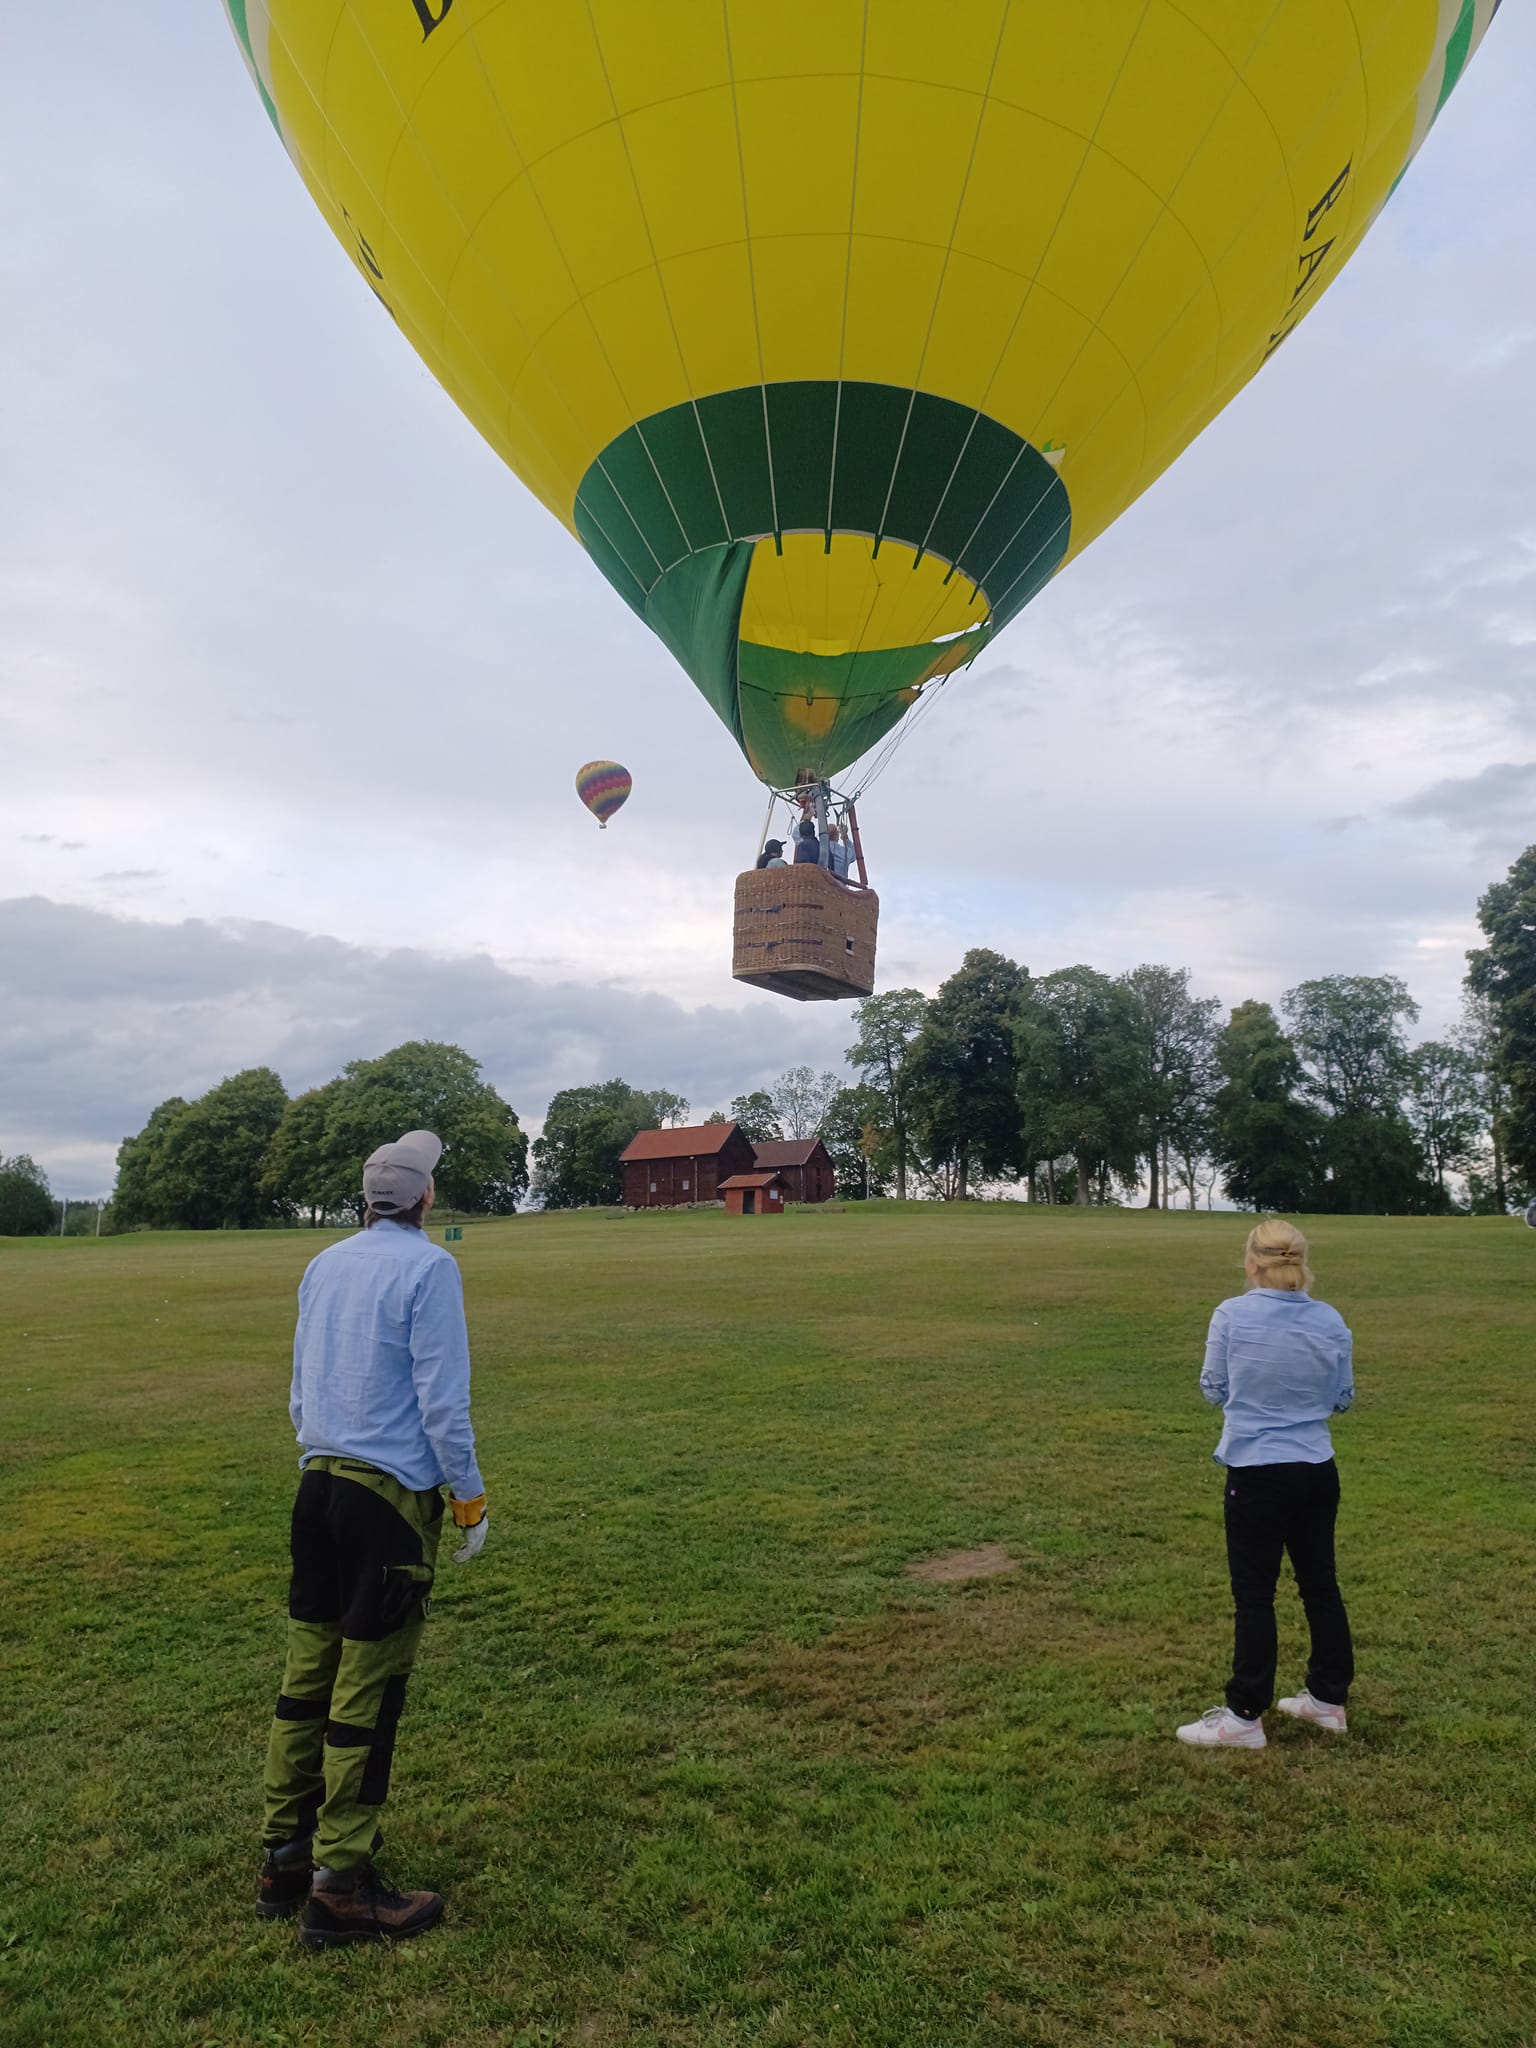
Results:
[1276, 1256]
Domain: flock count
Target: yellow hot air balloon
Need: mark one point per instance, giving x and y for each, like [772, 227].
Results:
[834, 328]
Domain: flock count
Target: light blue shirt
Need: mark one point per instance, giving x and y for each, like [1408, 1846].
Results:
[381, 1360]
[1278, 1364]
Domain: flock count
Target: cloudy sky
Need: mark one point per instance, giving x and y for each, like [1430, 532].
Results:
[294, 675]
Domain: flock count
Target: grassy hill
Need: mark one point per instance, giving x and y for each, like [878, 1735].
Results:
[695, 1758]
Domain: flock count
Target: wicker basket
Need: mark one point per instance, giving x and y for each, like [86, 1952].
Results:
[802, 933]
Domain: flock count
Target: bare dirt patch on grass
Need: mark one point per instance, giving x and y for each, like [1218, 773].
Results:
[955, 1566]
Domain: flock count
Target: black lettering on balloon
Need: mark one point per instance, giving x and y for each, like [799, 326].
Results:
[427, 18]
[1308, 261]
[1333, 193]
[369, 261]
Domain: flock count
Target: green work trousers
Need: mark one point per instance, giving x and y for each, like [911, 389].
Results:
[364, 1552]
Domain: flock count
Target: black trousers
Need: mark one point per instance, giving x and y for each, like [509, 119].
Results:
[1273, 1511]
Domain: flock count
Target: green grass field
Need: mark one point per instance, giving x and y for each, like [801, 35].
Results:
[693, 1757]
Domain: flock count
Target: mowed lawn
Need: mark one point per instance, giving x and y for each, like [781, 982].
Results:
[694, 1758]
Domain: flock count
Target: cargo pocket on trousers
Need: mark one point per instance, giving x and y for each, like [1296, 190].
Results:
[406, 1587]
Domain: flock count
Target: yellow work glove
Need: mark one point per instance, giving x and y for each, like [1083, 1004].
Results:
[472, 1521]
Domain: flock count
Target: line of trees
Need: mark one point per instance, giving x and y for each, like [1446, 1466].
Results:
[1074, 1086]
[1089, 1088]
[1083, 1087]
[245, 1154]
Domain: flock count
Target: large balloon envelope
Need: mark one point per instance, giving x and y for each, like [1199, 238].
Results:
[835, 329]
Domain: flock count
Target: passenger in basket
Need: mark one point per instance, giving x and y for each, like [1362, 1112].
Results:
[807, 845]
[772, 855]
[837, 853]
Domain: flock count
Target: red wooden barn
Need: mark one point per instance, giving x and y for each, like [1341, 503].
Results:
[669, 1169]
[804, 1163]
[754, 1194]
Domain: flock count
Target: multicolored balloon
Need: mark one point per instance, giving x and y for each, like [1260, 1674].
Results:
[833, 331]
[604, 787]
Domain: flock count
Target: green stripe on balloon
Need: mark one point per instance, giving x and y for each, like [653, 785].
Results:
[673, 507]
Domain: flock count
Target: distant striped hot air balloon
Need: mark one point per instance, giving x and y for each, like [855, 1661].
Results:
[604, 787]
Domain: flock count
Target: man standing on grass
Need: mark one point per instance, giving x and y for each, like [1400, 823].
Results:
[380, 1404]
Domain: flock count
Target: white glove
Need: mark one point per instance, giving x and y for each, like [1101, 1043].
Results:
[472, 1521]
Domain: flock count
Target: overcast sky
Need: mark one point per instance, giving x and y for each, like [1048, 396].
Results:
[294, 675]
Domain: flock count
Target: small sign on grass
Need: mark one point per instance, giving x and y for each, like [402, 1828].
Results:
[453, 1234]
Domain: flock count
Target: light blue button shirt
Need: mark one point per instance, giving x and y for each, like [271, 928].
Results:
[381, 1360]
[1278, 1364]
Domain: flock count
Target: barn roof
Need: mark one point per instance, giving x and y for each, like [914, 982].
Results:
[786, 1152]
[750, 1180]
[688, 1141]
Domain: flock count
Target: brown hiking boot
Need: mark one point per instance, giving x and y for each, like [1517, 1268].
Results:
[357, 1905]
[285, 1875]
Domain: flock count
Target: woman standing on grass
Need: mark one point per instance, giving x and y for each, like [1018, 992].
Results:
[1279, 1365]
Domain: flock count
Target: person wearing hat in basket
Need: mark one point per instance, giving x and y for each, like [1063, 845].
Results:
[380, 1406]
[772, 855]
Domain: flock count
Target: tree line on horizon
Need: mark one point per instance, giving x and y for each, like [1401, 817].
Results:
[1073, 1086]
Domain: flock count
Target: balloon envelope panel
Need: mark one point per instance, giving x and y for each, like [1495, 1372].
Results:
[832, 330]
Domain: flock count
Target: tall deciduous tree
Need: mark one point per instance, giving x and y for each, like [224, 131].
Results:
[1082, 1082]
[215, 1149]
[576, 1159]
[143, 1182]
[801, 1098]
[198, 1165]
[887, 1024]
[425, 1085]
[1265, 1139]
[859, 1142]
[961, 1073]
[1478, 1036]
[305, 1167]
[756, 1118]
[1445, 1110]
[1176, 1032]
[1350, 1030]
[26, 1203]
[1503, 973]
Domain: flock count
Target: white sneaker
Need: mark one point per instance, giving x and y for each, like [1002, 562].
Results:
[1304, 1708]
[1220, 1728]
